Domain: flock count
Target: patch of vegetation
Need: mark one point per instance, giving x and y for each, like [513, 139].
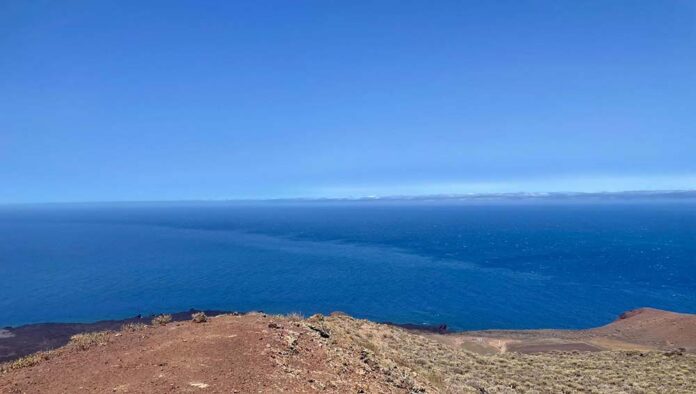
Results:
[294, 316]
[199, 317]
[26, 361]
[133, 327]
[87, 340]
[161, 320]
[414, 361]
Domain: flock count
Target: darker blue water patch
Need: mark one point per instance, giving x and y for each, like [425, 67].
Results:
[471, 266]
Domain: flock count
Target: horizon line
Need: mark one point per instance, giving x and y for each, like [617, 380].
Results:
[511, 196]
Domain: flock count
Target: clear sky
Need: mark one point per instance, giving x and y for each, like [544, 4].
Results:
[147, 100]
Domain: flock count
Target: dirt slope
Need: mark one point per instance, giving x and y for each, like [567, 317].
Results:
[243, 354]
[269, 354]
[653, 328]
[16, 342]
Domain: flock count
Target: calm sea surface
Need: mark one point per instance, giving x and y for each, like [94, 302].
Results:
[489, 265]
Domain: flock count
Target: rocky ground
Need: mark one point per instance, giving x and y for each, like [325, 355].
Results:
[260, 353]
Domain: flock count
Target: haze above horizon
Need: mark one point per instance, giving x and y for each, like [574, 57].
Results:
[133, 101]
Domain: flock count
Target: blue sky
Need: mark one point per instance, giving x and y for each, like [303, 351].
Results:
[132, 100]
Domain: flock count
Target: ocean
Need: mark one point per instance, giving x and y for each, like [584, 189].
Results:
[482, 265]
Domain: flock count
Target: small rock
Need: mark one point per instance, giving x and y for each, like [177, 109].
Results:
[322, 332]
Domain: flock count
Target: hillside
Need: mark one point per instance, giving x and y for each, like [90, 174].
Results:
[260, 353]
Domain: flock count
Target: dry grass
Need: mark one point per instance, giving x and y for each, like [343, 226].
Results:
[26, 361]
[133, 327]
[415, 362]
[294, 316]
[89, 339]
[161, 320]
[79, 342]
[199, 317]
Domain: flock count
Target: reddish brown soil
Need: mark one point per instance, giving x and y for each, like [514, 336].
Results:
[654, 328]
[230, 354]
[16, 342]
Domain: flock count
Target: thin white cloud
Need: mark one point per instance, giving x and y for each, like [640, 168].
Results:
[559, 184]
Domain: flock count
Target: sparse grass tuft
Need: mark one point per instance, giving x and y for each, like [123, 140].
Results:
[133, 327]
[199, 317]
[87, 340]
[26, 361]
[161, 320]
[294, 316]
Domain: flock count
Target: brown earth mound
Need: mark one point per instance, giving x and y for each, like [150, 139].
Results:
[640, 329]
[653, 328]
[231, 354]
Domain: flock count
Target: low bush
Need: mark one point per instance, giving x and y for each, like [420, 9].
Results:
[199, 317]
[161, 320]
[86, 340]
[26, 361]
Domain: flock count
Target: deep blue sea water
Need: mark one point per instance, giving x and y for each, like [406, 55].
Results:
[472, 266]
